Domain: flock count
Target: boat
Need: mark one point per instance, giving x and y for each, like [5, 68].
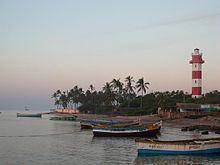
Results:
[86, 124]
[116, 125]
[178, 147]
[64, 118]
[89, 124]
[26, 109]
[29, 115]
[132, 131]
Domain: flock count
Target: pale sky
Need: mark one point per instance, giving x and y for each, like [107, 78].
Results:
[47, 45]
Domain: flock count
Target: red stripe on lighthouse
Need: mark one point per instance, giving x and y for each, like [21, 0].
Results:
[196, 59]
[196, 74]
[196, 90]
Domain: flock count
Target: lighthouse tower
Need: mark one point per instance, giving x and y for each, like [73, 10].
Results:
[196, 73]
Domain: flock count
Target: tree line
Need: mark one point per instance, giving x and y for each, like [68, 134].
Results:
[128, 97]
[113, 94]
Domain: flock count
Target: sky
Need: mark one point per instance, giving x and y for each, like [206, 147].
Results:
[47, 45]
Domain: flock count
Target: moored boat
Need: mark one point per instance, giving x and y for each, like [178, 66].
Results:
[132, 131]
[29, 115]
[89, 124]
[64, 118]
[117, 124]
[178, 147]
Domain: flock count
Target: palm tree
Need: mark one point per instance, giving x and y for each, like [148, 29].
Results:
[129, 88]
[108, 93]
[56, 95]
[76, 95]
[142, 86]
[118, 87]
[64, 100]
[92, 89]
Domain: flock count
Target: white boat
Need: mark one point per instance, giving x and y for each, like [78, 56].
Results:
[178, 147]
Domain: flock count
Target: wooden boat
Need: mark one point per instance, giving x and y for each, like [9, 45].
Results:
[178, 147]
[64, 118]
[29, 115]
[86, 124]
[118, 124]
[89, 124]
[135, 131]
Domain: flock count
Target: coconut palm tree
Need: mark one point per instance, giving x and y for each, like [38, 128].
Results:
[117, 85]
[76, 95]
[92, 89]
[64, 100]
[142, 87]
[56, 95]
[129, 88]
[108, 93]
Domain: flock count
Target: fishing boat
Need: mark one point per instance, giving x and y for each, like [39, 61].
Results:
[29, 115]
[132, 131]
[64, 118]
[178, 147]
[117, 124]
[89, 124]
[86, 124]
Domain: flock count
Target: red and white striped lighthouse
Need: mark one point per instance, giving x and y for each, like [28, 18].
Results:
[196, 62]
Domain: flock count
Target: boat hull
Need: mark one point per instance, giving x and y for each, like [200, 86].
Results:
[145, 152]
[136, 133]
[86, 125]
[29, 115]
[64, 118]
[183, 147]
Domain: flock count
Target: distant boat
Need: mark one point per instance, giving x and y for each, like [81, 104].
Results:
[26, 109]
[178, 147]
[29, 115]
[64, 118]
[132, 131]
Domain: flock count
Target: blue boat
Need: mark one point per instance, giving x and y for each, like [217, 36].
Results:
[179, 147]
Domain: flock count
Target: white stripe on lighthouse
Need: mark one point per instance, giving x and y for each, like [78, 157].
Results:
[196, 67]
[196, 82]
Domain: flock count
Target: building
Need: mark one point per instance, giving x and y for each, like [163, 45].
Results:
[191, 107]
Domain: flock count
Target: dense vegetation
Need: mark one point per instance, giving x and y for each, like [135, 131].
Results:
[128, 98]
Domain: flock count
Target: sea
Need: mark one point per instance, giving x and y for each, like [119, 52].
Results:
[40, 141]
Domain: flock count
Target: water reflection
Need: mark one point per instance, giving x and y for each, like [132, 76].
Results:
[178, 160]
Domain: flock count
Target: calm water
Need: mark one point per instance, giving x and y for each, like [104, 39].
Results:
[42, 141]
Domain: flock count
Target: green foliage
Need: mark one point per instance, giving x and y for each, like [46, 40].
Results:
[118, 99]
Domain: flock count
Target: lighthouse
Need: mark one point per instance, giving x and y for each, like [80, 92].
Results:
[196, 62]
